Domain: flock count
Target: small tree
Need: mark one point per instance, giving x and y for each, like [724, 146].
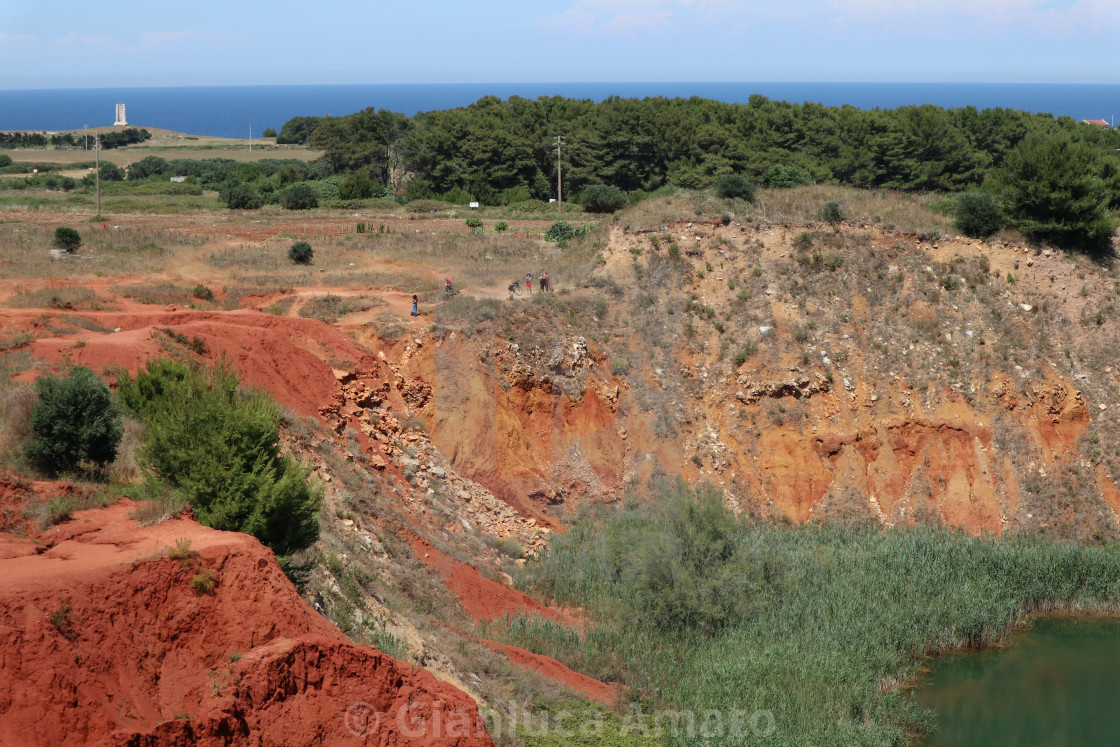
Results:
[474, 223]
[977, 214]
[299, 197]
[301, 253]
[602, 198]
[501, 226]
[735, 186]
[111, 172]
[1053, 190]
[269, 132]
[5, 160]
[218, 444]
[67, 239]
[76, 421]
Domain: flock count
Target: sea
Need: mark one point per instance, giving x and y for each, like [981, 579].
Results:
[244, 111]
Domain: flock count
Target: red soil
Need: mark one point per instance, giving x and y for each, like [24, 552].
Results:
[483, 599]
[557, 672]
[102, 639]
[17, 501]
[290, 357]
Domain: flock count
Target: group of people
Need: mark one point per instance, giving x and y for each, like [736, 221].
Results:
[545, 280]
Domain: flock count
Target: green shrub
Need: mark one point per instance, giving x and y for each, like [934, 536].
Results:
[735, 186]
[977, 214]
[501, 226]
[269, 132]
[561, 230]
[75, 422]
[299, 197]
[67, 239]
[5, 160]
[355, 187]
[150, 166]
[204, 581]
[783, 176]
[474, 223]
[831, 212]
[218, 445]
[602, 198]
[63, 620]
[301, 253]
[203, 293]
[243, 197]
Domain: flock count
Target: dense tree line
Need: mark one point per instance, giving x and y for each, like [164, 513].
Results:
[497, 150]
[109, 140]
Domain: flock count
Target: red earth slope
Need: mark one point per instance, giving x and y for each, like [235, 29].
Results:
[104, 640]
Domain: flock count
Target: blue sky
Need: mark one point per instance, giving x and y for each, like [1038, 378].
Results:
[70, 44]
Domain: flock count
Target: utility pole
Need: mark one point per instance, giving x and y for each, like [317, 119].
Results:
[97, 171]
[559, 187]
[85, 133]
[250, 138]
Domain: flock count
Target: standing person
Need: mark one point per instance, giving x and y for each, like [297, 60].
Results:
[529, 282]
[544, 282]
[548, 282]
[447, 286]
[415, 301]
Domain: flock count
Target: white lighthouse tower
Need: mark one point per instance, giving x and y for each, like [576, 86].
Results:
[120, 117]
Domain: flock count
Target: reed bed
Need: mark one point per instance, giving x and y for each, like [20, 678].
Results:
[693, 609]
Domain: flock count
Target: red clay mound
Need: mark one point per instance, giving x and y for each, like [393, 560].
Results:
[23, 502]
[104, 639]
[292, 358]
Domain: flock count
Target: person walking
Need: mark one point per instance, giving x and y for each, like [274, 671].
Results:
[447, 286]
[415, 302]
[529, 282]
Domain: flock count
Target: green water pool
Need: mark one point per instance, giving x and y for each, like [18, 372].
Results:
[1057, 684]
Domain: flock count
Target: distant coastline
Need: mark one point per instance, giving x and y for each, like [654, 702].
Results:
[230, 111]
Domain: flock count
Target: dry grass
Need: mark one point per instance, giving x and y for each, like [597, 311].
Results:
[25, 251]
[331, 308]
[159, 293]
[907, 212]
[70, 297]
[902, 211]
